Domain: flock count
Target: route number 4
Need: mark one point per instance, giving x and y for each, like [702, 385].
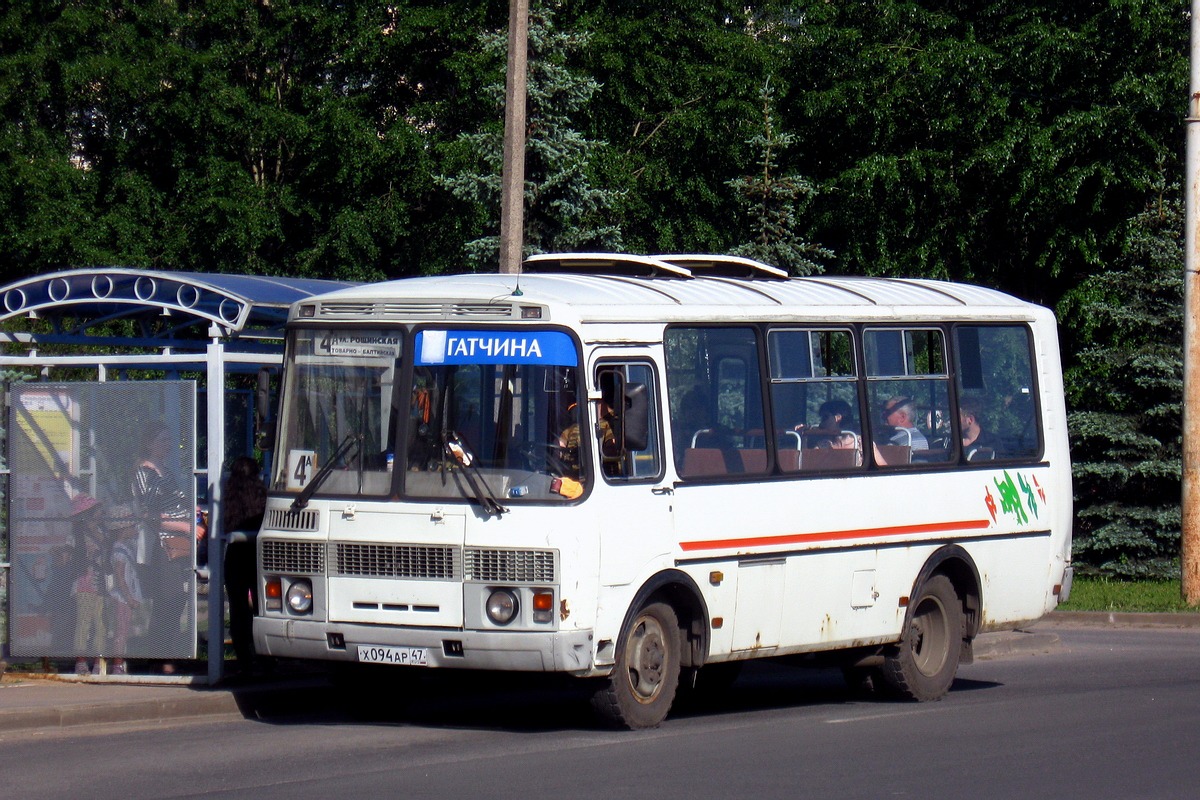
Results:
[301, 465]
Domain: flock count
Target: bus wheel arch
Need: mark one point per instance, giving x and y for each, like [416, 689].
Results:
[941, 620]
[664, 634]
[959, 568]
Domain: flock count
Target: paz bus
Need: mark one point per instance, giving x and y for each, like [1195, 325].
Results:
[642, 470]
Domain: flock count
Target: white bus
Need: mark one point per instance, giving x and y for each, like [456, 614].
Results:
[643, 470]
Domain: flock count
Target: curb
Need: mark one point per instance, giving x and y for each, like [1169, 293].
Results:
[1022, 642]
[216, 704]
[1115, 619]
[173, 702]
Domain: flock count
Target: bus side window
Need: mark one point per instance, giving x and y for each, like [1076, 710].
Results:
[908, 392]
[997, 417]
[814, 397]
[629, 393]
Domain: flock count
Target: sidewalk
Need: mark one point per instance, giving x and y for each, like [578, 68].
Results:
[32, 702]
[38, 702]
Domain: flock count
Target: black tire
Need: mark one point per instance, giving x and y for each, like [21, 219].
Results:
[641, 689]
[923, 665]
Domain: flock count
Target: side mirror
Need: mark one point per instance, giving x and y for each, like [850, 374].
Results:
[636, 416]
[262, 410]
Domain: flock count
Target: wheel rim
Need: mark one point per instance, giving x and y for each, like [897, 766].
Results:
[647, 648]
[930, 636]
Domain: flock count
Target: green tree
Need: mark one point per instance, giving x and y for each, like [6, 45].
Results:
[564, 210]
[1125, 391]
[994, 142]
[280, 137]
[774, 203]
[680, 101]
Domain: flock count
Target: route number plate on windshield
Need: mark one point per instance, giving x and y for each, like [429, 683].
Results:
[406, 656]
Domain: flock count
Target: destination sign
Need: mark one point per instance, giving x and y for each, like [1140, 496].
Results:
[552, 348]
[359, 345]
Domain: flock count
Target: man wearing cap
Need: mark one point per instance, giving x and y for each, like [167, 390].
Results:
[898, 412]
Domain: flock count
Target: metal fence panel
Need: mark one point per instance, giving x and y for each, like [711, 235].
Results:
[103, 519]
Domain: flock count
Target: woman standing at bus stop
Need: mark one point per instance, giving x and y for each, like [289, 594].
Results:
[167, 523]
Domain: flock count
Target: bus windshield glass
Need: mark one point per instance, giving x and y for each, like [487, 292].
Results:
[489, 416]
[494, 413]
[337, 387]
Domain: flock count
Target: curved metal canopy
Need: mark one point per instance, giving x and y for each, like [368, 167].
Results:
[174, 304]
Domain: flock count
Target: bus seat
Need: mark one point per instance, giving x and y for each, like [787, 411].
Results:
[982, 454]
[754, 461]
[701, 461]
[829, 459]
[789, 460]
[789, 439]
[893, 454]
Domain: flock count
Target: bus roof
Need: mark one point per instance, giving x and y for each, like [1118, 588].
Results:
[604, 288]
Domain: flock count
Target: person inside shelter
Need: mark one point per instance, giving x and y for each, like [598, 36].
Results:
[166, 524]
[131, 610]
[91, 549]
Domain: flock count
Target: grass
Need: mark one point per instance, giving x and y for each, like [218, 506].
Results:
[1106, 594]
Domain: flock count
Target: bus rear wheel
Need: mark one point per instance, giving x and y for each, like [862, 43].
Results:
[923, 665]
[642, 686]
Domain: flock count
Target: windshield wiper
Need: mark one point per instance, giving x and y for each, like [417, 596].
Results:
[456, 449]
[324, 472]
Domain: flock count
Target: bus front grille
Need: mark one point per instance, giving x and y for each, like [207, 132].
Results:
[501, 565]
[293, 558]
[434, 562]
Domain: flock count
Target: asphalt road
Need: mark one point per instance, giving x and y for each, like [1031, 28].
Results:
[1109, 713]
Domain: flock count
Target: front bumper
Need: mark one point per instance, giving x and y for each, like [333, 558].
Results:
[525, 651]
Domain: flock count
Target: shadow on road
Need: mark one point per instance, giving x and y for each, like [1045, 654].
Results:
[533, 703]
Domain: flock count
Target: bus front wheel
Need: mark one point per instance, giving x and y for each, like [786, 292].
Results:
[642, 686]
[923, 665]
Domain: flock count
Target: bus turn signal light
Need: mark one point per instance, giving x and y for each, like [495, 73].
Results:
[543, 606]
[274, 594]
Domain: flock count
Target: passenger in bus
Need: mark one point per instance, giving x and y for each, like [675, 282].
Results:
[835, 419]
[899, 413]
[693, 418]
[843, 440]
[978, 444]
[835, 415]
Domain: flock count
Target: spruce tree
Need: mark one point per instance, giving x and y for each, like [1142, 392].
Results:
[1126, 394]
[773, 203]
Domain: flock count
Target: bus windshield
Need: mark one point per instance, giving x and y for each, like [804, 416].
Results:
[487, 416]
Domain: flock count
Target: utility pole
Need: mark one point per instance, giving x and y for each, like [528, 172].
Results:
[512, 174]
[1189, 555]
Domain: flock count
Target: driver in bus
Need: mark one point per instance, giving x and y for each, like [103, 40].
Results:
[609, 450]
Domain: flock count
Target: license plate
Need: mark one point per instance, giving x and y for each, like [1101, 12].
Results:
[405, 656]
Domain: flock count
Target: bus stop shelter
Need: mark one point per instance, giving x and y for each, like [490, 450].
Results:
[95, 356]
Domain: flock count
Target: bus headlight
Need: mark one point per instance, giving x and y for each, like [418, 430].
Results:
[501, 606]
[299, 597]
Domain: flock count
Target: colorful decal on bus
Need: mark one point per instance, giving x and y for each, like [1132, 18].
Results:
[1010, 492]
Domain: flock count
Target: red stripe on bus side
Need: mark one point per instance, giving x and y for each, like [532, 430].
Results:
[834, 536]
